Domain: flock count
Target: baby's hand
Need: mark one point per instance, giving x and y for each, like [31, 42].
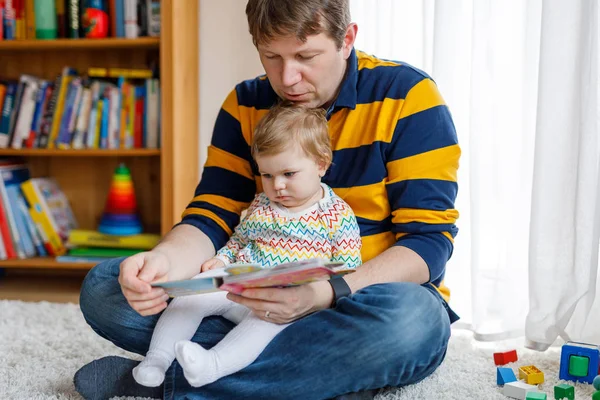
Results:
[213, 263]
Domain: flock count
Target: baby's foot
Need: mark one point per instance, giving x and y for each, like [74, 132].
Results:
[150, 372]
[198, 363]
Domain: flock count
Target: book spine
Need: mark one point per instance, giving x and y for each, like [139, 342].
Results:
[7, 110]
[96, 239]
[153, 10]
[67, 77]
[45, 19]
[82, 119]
[40, 214]
[73, 19]
[23, 124]
[10, 22]
[37, 124]
[152, 111]
[25, 242]
[61, 18]
[1, 20]
[120, 17]
[5, 231]
[30, 19]
[36, 237]
[131, 26]
[10, 216]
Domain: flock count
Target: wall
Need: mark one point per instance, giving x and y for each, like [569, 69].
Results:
[227, 56]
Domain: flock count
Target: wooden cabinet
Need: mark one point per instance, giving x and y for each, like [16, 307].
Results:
[164, 178]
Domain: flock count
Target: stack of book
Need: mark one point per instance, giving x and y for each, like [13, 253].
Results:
[35, 215]
[93, 246]
[109, 108]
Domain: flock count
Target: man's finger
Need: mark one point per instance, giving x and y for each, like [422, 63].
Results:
[153, 310]
[132, 295]
[144, 306]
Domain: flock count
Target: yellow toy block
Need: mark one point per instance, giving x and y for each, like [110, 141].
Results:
[531, 374]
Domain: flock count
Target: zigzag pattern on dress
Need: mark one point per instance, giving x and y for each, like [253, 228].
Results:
[268, 236]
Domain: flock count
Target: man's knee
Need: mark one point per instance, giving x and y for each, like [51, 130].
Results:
[411, 318]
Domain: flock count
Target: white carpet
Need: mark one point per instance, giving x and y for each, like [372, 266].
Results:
[43, 344]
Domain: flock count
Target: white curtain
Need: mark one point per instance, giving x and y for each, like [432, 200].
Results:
[565, 218]
[510, 70]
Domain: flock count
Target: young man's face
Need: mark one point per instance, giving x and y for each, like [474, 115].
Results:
[291, 178]
[307, 73]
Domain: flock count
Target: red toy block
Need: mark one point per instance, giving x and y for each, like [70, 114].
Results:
[505, 358]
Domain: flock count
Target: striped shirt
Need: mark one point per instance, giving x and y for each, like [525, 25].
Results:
[270, 235]
[395, 160]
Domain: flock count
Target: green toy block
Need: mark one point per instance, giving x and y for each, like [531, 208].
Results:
[535, 396]
[578, 366]
[596, 396]
[564, 391]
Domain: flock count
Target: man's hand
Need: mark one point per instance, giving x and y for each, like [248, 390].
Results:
[136, 275]
[286, 304]
[212, 263]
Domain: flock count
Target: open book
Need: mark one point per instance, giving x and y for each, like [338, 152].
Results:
[238, 277]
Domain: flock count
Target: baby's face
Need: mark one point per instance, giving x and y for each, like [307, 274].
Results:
[291, 178]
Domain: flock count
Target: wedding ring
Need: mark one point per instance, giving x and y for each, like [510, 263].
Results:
[267, 314]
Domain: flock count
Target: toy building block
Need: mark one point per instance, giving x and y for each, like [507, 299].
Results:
[579, 362]
[505, 358]
[518, 390]
[536, 396]
[531, 374]
[596, 396]
[564, 392]
[505, 375]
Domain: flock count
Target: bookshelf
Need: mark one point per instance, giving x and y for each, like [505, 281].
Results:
[164, 178]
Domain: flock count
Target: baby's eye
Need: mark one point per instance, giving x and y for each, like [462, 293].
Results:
[267, 176]
[289, 174]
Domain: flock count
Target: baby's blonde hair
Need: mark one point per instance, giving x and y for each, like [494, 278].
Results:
[287, 125]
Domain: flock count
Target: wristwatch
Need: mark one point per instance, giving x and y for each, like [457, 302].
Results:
[340, 289]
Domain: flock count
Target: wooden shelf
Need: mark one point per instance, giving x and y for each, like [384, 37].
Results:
[83, 44]
[44, 263]
[80, 153]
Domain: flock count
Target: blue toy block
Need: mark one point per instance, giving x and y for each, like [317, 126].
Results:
[505, 375]
[581, 352]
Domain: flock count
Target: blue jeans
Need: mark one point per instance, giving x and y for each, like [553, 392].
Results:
[392, 334]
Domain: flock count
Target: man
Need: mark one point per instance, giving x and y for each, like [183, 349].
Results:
[395, 157]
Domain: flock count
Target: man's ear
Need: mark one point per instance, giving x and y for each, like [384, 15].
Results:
[349, 39]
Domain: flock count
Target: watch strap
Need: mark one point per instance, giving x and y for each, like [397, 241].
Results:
[340, 288]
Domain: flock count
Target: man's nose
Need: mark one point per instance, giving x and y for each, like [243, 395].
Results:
[290, 74]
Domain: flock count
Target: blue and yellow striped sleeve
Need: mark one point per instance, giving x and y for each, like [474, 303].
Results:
[227, 185]
[422, 164]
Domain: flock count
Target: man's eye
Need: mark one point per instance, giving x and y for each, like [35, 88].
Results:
[300, 56]
[289, 174]
[270, 57]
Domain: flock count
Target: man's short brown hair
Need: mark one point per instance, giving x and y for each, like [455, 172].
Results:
[268, 19]
[288, 126]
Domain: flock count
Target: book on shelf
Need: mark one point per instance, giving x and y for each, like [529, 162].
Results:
[110, 108]
[50, 211]
[102, 252]
[126, 18]
[238, 277]
[90, 238]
